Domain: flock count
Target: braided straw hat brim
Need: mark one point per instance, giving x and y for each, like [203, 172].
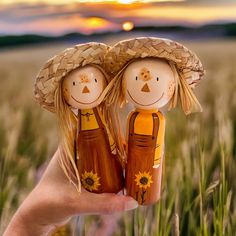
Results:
[60, 65]
[185, 60]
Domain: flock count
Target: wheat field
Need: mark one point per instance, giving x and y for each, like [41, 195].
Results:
[199, 187]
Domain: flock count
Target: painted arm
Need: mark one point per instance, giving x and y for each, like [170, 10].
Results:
[111, 142]
[127, 129]
[159, 152]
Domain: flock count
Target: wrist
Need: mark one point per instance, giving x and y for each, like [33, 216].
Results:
[21, 225]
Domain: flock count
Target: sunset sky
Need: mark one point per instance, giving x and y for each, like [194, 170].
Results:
[55, 17]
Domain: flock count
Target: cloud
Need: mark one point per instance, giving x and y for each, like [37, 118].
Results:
[89, 18]
[60, 25]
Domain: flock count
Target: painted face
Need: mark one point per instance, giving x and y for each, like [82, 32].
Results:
[149, 83]
[83, 87]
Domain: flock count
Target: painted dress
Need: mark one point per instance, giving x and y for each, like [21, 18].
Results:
[98, 167]
[146, 129]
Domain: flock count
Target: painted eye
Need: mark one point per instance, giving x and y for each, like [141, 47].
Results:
[73, 83]
[157, 79]
[95, 80]
[136, 78]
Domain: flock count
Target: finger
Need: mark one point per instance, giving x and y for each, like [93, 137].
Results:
[64, 193]
[105, 203]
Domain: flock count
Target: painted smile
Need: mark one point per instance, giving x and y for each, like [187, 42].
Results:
[86, 103]
[147, 104]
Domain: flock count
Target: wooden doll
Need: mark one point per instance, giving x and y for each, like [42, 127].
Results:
[74, 84]
[150, 73]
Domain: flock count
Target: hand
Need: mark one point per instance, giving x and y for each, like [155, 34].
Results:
[54, 201]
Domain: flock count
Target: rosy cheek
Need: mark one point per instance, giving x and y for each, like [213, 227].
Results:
[171, 89]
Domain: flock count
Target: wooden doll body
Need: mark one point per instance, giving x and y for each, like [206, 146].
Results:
[98, 167]
[145, 148]
[149, 85]
[97, 164]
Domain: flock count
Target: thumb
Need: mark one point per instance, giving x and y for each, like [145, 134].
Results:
[105, 203]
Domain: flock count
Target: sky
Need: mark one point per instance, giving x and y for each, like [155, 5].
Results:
[57, 17]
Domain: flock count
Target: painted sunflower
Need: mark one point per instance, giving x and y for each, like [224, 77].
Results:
[143, 180]
[90, 180]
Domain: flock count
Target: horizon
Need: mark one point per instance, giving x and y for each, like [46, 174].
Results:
[60, 17]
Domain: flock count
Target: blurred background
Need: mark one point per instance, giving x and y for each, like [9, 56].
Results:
[199, 187]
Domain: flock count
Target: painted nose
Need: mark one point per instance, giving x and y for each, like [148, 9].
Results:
[145, 88]
[85, 90]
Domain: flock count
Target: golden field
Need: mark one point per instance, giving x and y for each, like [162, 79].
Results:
[199, 187]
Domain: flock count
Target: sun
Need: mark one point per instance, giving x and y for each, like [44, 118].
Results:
[128, 26]
[90, 181]
[143, 180]
[126, 1]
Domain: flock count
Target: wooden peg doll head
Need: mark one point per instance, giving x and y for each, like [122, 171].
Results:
[149, 83]
[83, 87]
[141, 57]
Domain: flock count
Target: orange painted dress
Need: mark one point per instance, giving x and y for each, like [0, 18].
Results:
[145, 153]
[98, 167]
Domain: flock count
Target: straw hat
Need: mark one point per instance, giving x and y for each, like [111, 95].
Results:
[185, 60]
[60, 65]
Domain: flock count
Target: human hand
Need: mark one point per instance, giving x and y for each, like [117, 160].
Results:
[54, 201]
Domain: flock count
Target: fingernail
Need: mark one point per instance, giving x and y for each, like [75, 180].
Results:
[131, 204]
